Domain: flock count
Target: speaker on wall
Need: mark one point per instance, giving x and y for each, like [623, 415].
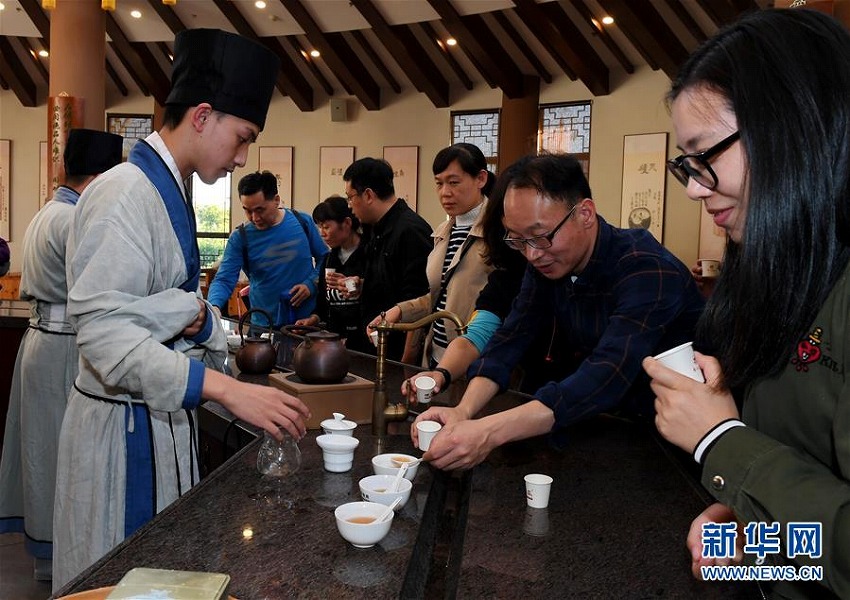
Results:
[339, 109]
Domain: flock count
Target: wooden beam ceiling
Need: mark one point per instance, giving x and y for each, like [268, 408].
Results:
[576, 57]
[338, 55]
[477, 42]
[311, 64]
[12, 71]
[504, 22]
[290, 82]
[408, 53]
[140, 59]
[600, 32]
[376, 60]
[643, 25]
[446, 52]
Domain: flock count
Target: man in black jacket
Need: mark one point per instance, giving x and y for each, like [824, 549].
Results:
[397, 242]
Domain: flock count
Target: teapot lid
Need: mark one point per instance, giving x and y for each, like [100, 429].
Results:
[328, 336]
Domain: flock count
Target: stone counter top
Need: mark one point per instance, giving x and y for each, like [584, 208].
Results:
[615, 527]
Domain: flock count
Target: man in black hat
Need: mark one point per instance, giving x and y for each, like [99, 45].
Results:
[47, 358]
[150, 350]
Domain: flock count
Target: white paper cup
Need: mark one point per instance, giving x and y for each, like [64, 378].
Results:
[351, 284]
[537, 487]
[424, 388]
[329, 272]
[373, 335]
[427, 430]
[710, 267]
[682, 360]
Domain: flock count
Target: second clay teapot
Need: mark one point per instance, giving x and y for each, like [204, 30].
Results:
[256, 355]
[321, 358]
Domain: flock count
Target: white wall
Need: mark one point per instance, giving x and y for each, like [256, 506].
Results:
[635, 106]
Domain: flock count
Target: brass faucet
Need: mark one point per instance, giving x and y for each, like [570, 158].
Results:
[382, 410]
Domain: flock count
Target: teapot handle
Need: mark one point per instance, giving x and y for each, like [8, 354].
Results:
[253, 310]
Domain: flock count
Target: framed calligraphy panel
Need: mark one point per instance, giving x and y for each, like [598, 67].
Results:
[333, 161]
[644, 177]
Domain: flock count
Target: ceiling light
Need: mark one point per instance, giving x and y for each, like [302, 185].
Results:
[606, 20]
[136, 14]
[315, 53]
[43, 53]
[48, 4]
[260, 4]
[169, 2]
[451, 42]
[2, 6]
[107, 4]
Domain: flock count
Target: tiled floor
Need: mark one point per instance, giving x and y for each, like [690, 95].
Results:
[16, 568]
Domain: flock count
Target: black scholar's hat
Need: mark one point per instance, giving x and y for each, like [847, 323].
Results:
[90, 152]
[233, 74]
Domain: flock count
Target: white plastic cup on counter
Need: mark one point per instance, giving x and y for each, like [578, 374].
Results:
[682, 360]
[537, 488]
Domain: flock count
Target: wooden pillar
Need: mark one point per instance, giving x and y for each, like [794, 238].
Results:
[77, 87]
[518, 124]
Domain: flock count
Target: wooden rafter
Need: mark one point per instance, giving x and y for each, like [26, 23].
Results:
[581, 59]
[431, 34]
[12, 70]
[125, 62]
[113, 74]
[408, 53]
[602, 34]
[505, 23]
[338, 56]
[311, 64]
[38, 18]
[376, 60]
[30, 52]
[643, 25]
[723, 12]
[138, 59]
[687, 20]
[290, 82]
[476, 41]
[167, 14]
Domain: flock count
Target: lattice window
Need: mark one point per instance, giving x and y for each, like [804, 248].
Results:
[212, 214]
[480, 128]
[566, 128]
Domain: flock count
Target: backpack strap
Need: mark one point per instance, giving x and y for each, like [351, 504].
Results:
[244, 237]
[301, 219]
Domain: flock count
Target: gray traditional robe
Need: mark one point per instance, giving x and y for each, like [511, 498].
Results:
[45, 368]
[128, 446]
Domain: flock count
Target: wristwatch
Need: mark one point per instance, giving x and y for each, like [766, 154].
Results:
[446, 375]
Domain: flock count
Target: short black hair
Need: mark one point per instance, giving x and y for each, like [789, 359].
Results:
[336, 209]
[256, 181]
[372, 173]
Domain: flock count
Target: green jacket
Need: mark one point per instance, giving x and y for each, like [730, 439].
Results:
[792, 461]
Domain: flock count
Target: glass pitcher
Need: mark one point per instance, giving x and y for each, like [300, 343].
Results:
[278, 459]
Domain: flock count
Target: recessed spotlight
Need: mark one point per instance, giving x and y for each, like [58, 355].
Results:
[606, 20]
[136, 14]
[2, 6]
[260, 4]
[43, 53]
[315, 53]
[451, 42]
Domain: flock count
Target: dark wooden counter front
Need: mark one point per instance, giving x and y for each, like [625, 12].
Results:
[615, 526]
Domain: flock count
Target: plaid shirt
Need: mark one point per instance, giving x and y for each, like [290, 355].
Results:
[634, 299]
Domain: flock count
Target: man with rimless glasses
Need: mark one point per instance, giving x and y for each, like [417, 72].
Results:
[616, 294]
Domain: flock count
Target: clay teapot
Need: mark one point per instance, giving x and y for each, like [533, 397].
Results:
[256, 355]
[321, 357]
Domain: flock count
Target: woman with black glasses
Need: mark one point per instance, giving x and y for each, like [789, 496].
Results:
[769, 97]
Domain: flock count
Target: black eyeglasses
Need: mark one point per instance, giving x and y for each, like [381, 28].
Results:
[696, 166]
[539, 242]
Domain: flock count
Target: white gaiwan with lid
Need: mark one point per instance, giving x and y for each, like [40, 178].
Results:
[339, 425]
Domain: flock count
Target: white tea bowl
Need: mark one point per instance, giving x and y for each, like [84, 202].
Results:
[382, 464]
[376, 488]
[362, 535]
